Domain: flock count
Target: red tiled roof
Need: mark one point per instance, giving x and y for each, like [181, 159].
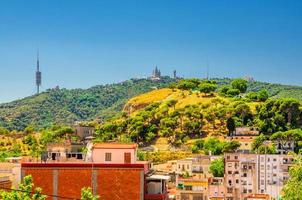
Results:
[114, 146]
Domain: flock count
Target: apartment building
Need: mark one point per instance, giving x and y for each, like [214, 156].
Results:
[216, 188]
[273, 173]
[240, 175]
[247, 175]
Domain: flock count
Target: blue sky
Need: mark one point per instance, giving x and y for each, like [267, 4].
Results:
[85, 43]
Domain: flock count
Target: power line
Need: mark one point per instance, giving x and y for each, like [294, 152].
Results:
[48, 195]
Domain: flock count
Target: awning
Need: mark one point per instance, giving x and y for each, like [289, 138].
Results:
[158, 177]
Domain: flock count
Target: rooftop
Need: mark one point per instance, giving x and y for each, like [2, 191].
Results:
[114, 146]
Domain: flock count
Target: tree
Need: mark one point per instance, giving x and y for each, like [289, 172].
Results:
[233, 92]
[231, 146]
[293, 188]
[282, 138]
[262, 95]
[86, 194]
[207, 88]
[239, 84]
[26, 191]
[224, 90]
[231, 125]
[217, 167]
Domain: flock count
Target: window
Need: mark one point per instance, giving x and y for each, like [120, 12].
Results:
[188, 167]
[229, 190]
[237, 181]
[107, 156]
[127, 158]
[236, 157]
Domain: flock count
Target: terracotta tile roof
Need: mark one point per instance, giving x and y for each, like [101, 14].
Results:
[114, 146]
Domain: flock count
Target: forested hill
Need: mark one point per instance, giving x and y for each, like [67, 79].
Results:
[63, 106]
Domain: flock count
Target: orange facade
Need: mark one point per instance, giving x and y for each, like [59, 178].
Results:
[110, 182]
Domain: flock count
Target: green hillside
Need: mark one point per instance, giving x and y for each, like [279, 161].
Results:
[63, 106]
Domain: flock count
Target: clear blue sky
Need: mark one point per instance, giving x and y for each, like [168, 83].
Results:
[85, 43]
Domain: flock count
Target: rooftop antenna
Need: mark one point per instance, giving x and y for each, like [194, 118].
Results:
[38, 74]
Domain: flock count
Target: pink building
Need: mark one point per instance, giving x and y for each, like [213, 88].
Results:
[114, 153]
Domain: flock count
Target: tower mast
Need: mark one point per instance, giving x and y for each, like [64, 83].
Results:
[38, 74]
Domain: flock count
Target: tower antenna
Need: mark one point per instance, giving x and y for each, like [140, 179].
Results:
[38, 74]
[207, 77]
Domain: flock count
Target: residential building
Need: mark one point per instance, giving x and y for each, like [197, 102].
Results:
[65, 151]
[192, 188]
[115, 174]
[255, 174]
[84, 132]
[199, 164]
[216, 188]
[240, 175]
[285, 147]
[245, 131]
[273, 173]
[12, 171]
[114, 153]
[156, 187]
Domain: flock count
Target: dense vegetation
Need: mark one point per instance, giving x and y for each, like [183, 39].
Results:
[193, 109]
[62, 106]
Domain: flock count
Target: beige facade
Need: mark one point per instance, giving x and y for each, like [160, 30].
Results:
[216, 188]
[199, 164]
[250, 174]
[192, 188]
[240, 175]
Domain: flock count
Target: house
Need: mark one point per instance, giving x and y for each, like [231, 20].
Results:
[84, 132]
[285, 147]
[114, 153]
[114, 174]
[246, 131]
[199, 164]
[65, 151]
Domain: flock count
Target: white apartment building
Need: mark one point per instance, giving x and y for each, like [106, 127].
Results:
[273, 173]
